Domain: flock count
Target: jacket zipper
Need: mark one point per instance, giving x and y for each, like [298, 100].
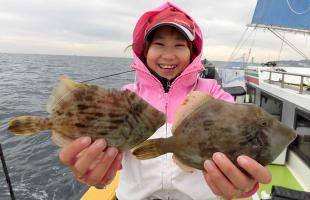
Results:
[168, 85]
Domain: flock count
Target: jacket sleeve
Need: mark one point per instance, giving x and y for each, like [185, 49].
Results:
[214, 89]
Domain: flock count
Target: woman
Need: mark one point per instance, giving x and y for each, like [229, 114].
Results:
[167, 46]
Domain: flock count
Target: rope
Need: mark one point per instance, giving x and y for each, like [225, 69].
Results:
[281, 48]
[294, 11]
[238, 43]
[69, 91]
[107, 76]
[252, 44]
[288, 43]
[6, 173]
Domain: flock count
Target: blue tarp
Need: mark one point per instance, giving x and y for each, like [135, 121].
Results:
[294, 14]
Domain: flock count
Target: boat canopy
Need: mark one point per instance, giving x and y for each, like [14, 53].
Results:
[289, 15]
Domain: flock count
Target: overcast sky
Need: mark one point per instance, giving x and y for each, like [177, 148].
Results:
[104, 27]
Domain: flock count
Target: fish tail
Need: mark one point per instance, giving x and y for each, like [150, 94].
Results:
[149, 149]
[28, 125]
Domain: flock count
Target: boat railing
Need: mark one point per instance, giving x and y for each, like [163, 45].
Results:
[301, 85]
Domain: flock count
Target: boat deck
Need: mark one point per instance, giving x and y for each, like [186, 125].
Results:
[281, 176]
[102, 194]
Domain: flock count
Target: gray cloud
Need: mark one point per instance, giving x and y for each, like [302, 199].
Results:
[103, 28]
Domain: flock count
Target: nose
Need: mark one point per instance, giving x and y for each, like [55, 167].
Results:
[168, 54]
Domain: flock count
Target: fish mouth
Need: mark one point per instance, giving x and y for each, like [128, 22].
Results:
[293, 135]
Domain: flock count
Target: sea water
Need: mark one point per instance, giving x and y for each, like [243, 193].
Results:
[26, 82]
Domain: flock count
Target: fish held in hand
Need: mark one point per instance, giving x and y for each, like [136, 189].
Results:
[122, 118]
[203, 125]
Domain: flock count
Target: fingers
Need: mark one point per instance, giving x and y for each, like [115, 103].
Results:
[93, 164]
[103, 168]
[260, 173]
[90, 155]
[211, 184]
[234, 175]
[68, 153]
[227, 180]
[219, 180]
[116, 165]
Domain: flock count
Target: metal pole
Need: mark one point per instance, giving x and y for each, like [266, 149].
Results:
[282, 81]
[269, 77]
[301, 85]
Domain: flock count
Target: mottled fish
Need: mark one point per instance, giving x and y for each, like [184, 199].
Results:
[203, 125]
[121, 117]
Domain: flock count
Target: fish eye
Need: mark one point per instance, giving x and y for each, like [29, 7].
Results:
[263, 122]
[136, 107]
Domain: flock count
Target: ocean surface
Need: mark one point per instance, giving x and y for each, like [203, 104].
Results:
[26, 82]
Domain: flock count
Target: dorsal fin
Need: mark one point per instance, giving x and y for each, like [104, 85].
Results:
[63, 88]
[191, 102]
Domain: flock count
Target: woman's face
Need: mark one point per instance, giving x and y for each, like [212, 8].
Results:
[168, 53]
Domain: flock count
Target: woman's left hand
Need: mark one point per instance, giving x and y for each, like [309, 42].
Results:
[226, 180]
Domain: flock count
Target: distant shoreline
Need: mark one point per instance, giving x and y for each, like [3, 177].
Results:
[287, 63]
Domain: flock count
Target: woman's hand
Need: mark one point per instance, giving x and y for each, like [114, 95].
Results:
[92, 163]
[226, 180]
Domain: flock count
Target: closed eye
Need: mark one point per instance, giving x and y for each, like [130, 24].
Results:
[158, 44]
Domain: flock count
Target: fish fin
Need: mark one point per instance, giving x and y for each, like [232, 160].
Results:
[148, 149]
[63, 88]
[182, 166]
[60, 139]
[28, 125]
[191, 102]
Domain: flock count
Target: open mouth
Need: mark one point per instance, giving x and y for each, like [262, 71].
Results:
[167, 66]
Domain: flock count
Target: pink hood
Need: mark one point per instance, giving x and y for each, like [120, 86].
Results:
[149, 87]
[138, 36]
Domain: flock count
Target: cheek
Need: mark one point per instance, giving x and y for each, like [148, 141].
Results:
[151, 56]
[185, 58]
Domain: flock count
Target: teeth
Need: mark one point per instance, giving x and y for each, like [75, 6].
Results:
[167, 66]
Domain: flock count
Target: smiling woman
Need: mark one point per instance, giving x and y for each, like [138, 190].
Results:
[167, 47]
[168, 52]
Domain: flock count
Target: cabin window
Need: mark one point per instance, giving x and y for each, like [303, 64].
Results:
[272, 105]
[301, 145]
[251, 94]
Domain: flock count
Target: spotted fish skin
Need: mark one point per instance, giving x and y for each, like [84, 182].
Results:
[121, 117]
[218, 126]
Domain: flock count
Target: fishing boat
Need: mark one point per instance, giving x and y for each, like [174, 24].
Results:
[283, 91]
[284, 94]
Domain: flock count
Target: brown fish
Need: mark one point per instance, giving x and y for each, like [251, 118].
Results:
[121, 117]
[204, 125]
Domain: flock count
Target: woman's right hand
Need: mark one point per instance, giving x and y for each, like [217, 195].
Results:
[92, 163]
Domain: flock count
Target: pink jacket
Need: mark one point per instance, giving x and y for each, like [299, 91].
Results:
[161, 177]
[150, 88]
